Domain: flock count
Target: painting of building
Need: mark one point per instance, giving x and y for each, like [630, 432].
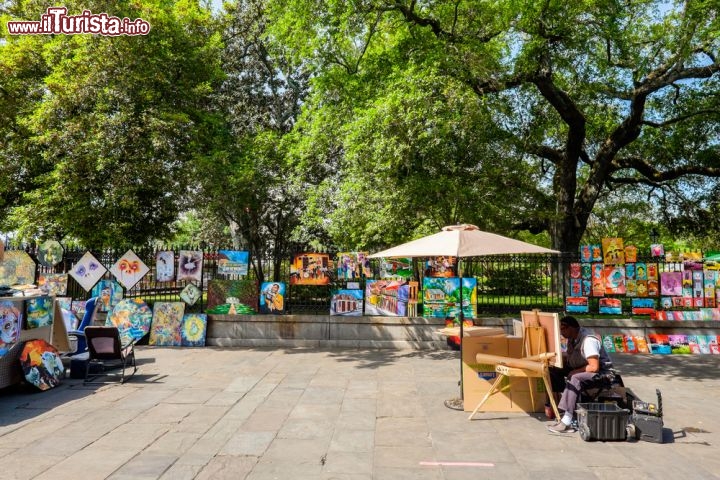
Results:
[348, 302]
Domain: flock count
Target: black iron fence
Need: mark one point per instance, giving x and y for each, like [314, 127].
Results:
[505, 283]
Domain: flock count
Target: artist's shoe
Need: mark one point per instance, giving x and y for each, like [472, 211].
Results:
[560, 428]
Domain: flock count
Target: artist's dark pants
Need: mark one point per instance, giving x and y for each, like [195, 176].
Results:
[570, 389]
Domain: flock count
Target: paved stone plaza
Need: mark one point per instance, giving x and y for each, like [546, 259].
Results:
[213, 413]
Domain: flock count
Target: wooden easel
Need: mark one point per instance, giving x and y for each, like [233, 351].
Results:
[535, 363]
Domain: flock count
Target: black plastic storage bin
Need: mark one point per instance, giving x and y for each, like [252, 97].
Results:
[602, 421]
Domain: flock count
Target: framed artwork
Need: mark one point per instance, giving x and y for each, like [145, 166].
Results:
[194, 330]
[347, 302]
[641, 271]
[614, 280]
[353, 265]
[190, 294]
[165, 266]
[310, 269]
[575, 270]
[577, 305]
[17, 268]
[221, 294]
[11, 322]
[53, 284]
[129, 269]
[657, 250]
[396, 267]
[585, 254]
[109, 294]
[630, 254]
[441, 267]
[652, 271]
[39, 312]
[643, 306]
[441, 297]
[233, 262]
[671, 284]
[387, 297]
[596, 252]
[272, 297]
[613, 251]
[598, 280]
[190, 265]
[576, 287]
[610, 306]
[631, 288]
[87, 271]
[167, 321]
[50, 253]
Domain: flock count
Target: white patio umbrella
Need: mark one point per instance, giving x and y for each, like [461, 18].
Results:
[461, 241]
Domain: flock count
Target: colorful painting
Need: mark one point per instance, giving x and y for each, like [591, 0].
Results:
[194, 329]
[679, 344]
[671, 284]
[608, 343]
[577, 305]
[610, 306]
[41, 364]
[39, 312]
[387, 297]
[129, 269]
[585, 254]
[659, 344]
[272, 297]
[69, 319]
[351, 265]
[641, 272]
[190, 265]
[109, 294]
[630, 254]
[233, 262]
[575, 270]
[596, 251]
[87, 271]
[165, 266]
[50, 253]
[310, 269]
[190, 294]
[347, 302]
[17, 268]
[598, 280]
[576, 287]
[643, 306]
[222, 293]
[642, 288]
[78, 308]
[657, 250]
[132, 318]
[586, 271]
[441, 267]
[652, 271]
[631, 288]
[11, 320]
[441, 297]
[167, 322]
[653, 288]
[613, 251]
[630, 271]
[586, 287]
[53, 284]
[396, 267]
[614, 280]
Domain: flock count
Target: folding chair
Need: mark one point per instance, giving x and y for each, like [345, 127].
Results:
[92, 306]
[106, 352]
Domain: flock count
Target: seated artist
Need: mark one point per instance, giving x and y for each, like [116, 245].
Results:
[585, 357]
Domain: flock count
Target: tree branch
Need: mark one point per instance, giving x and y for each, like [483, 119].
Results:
[679, 119]
[651, 173]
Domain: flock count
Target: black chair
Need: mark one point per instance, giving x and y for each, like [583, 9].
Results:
[106, 353]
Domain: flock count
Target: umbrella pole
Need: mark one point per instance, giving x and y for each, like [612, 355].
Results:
[462, 322]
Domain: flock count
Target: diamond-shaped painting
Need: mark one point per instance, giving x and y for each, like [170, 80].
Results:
[87, 271]
[190, 294]
[50, 253]
[129, 270]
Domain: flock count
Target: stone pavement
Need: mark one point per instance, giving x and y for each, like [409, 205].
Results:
[246, 413]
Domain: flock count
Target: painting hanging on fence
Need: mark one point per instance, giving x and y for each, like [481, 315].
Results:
[441, 267]
[643, 306]
[166, 324]
[441, 297]
[53, 284]
[614, 280]
[630, 254]
[310, 269]
[87, 271]
[39, 312]
[387, 297]
[50, 253]
[353, 265]
[610, 306]
[109, 293]
[233, 262]
[11, 317]
[613, 251]
[16, 268]
[190, 294]
[272, 298]
[222, 294]
[396, 268]
[347, 302]
[129, 269]
[598, 280]
[165, 266]
[194, 330]
[190, 264]
[132, 317]
[577, 305]
[671, 284]
[585, 254]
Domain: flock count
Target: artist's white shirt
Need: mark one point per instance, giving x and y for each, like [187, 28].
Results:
[591, 347]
